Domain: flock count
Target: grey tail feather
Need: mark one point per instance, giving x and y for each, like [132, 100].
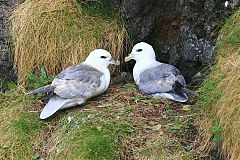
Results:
[53, 105]
[44, 89]
[172, 96]
[188, 91]
[179, 97]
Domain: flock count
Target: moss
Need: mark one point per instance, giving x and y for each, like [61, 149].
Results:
[19, 129]
[96, 144]
[92, 136]
[27, 123]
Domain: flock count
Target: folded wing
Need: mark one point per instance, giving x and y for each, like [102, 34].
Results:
[160, 79]
[77, 81]
[71, 87]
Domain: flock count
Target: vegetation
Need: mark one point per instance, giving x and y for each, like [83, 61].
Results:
[219, 94]
[122, 123]
[90, 135]
[38, 80]
[20, 128]
[59, 33]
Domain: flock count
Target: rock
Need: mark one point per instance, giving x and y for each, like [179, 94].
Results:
[181, 32]
[140, 16]
[157, 127]
[215, 153]
[6, 68]
[194, 49]
[123, 78]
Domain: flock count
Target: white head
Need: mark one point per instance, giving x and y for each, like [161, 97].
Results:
[100, 57]
[140, 52]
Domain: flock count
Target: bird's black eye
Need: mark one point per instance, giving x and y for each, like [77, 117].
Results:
[139, 50]
[104, 57]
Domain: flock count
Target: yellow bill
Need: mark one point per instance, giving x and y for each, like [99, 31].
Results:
[117, 62]
[128, 58]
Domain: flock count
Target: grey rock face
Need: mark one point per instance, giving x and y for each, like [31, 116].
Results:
[140, 15]
[6, 70]
[181, 31]
[194, 49]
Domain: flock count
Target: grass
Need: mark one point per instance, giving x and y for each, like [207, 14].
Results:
[216, 130]
[234, 37]
[91, 135]
[219, 94]
[20, 129]
[56, 34]
[206, 92]
[157, 149]
[120, 124]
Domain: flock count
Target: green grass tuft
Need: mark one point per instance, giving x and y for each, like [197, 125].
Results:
[234, 37]
[205, 92]
[216, 130]
[128, 85]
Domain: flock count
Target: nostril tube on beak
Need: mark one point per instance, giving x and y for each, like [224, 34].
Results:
[113, 61]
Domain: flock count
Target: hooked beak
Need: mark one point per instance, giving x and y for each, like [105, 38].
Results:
[113, 61]
[128, 58]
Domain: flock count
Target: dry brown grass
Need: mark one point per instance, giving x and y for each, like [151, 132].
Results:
[225, 109]
[59, 33]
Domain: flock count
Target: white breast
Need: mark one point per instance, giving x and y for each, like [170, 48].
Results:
[105, 81]
[142, 66]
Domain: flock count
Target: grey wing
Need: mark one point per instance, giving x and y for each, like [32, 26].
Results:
[77, 81]
[160, 79]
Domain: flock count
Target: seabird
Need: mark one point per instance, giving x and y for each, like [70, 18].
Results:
[156, 79]
[76, 84]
